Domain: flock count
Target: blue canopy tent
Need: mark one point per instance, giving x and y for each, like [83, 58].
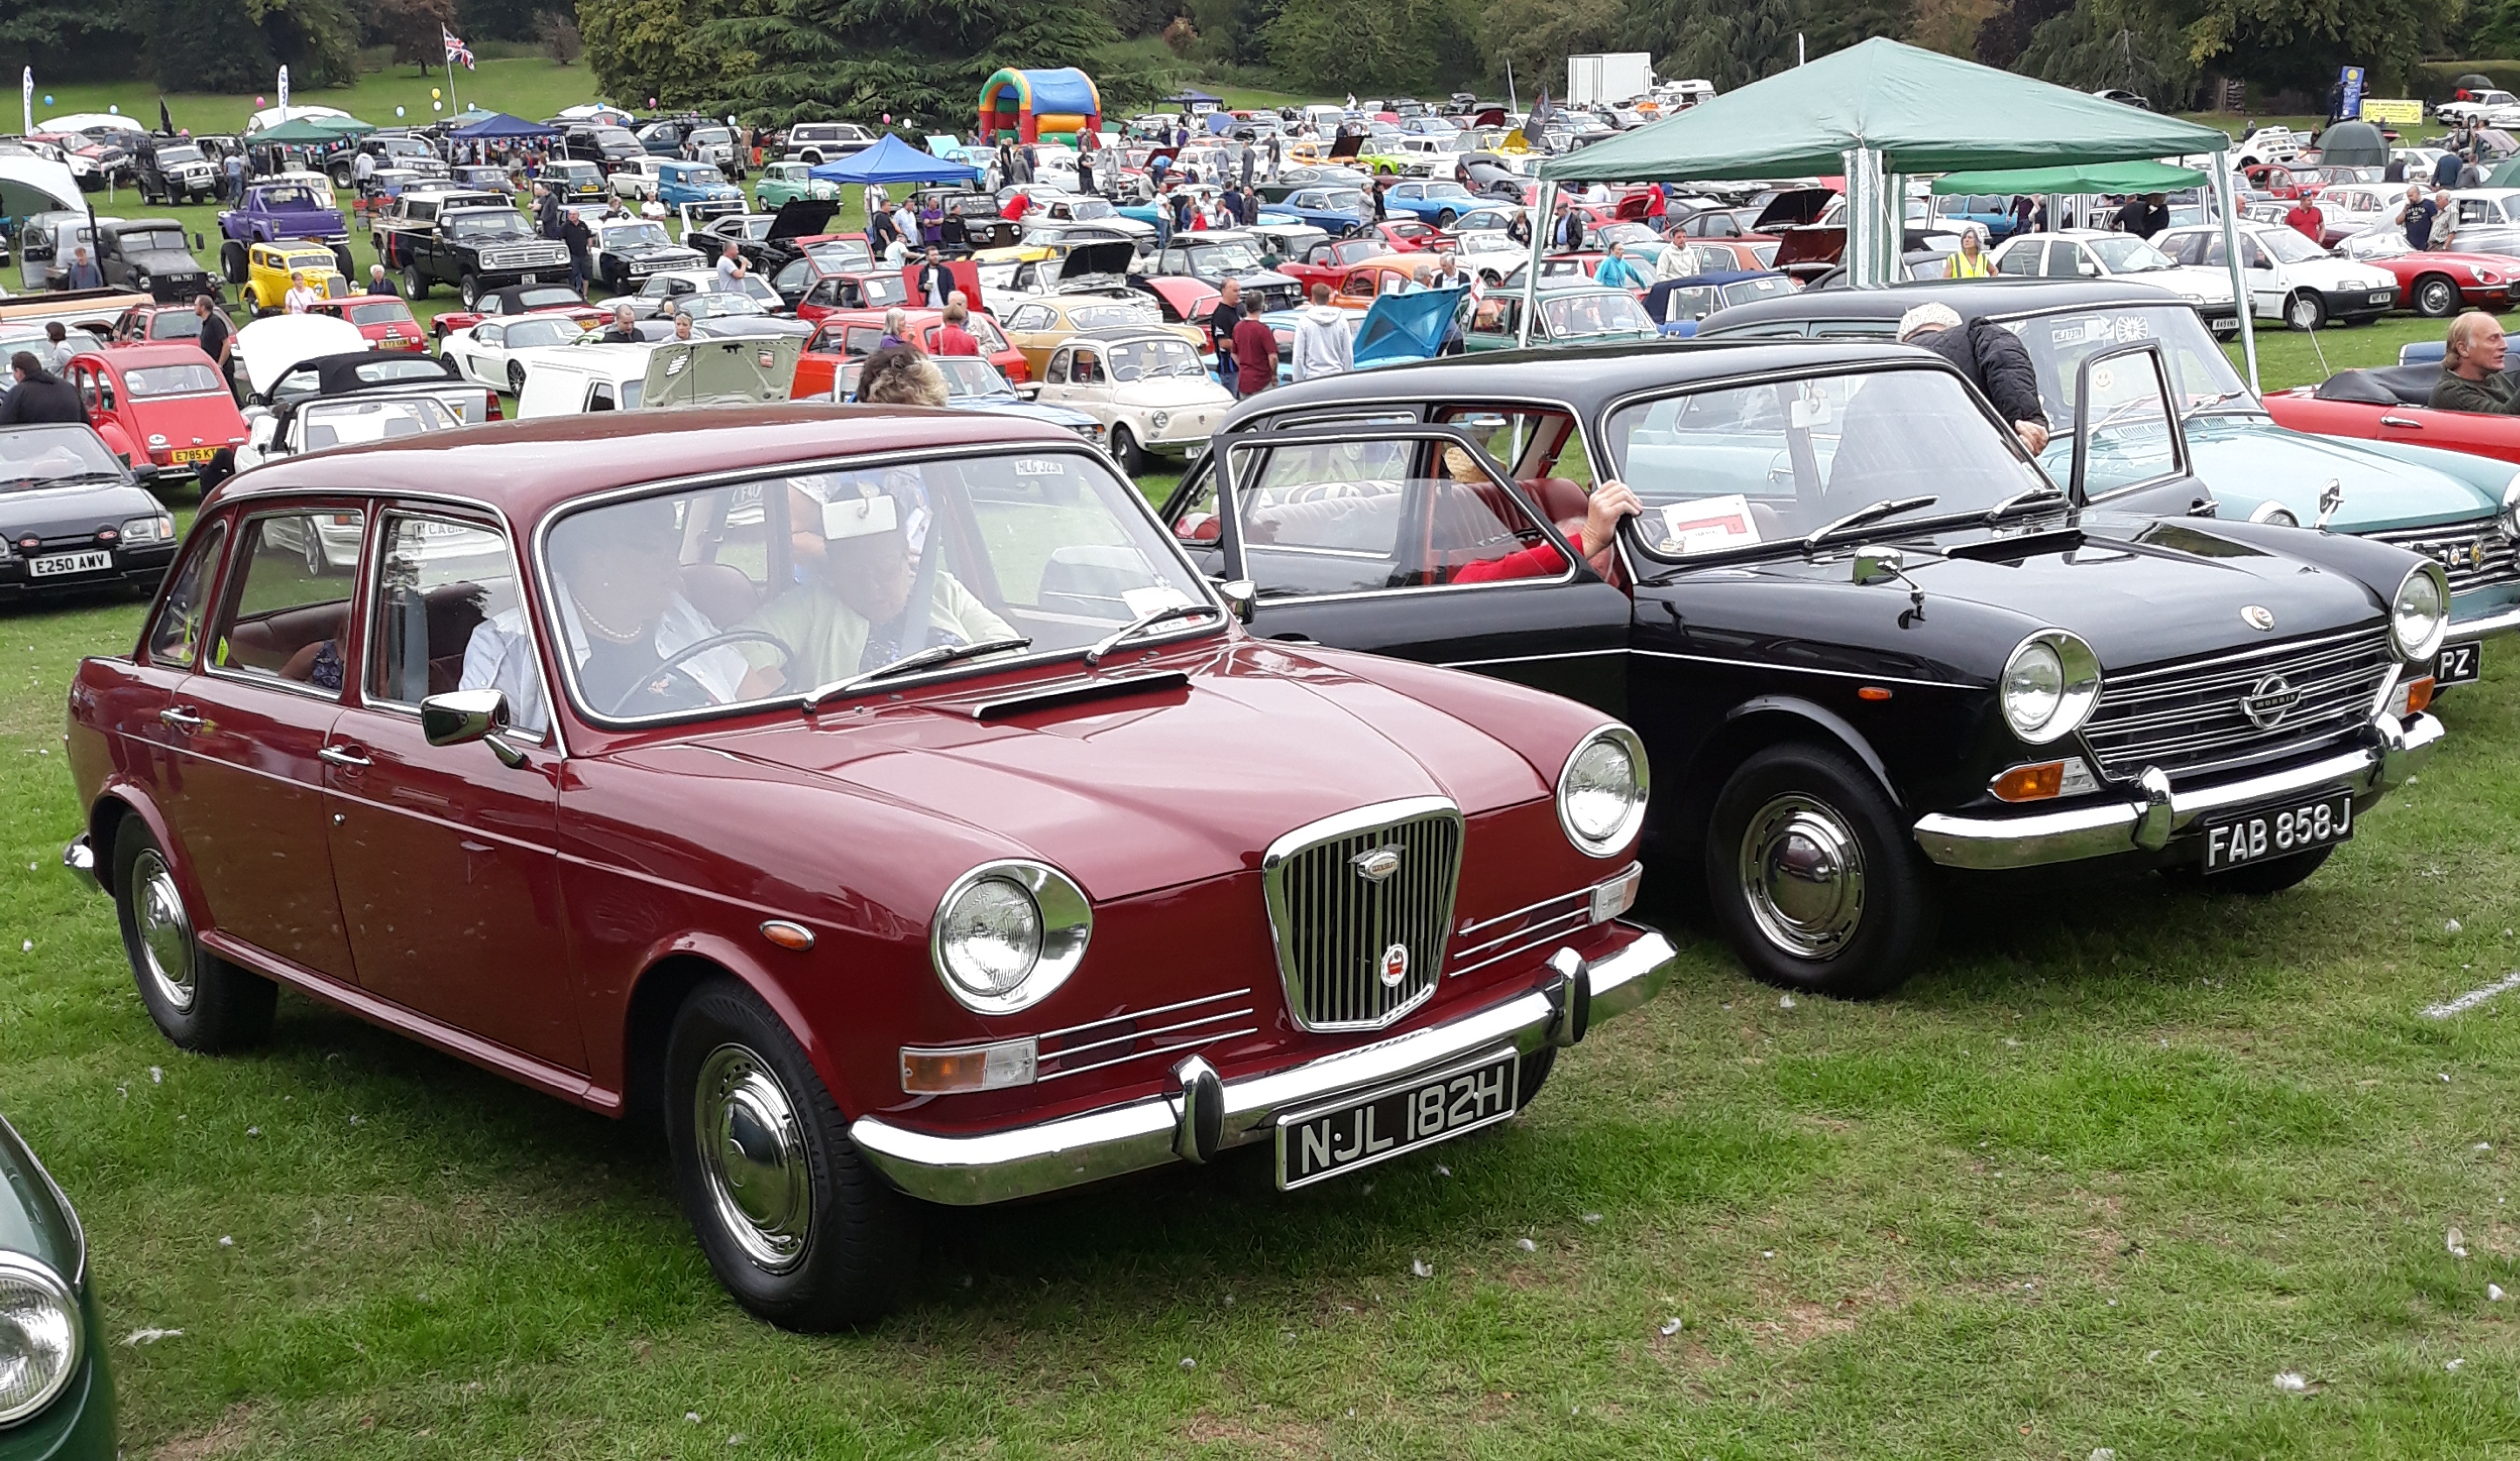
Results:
[499, 127]
[893, 160]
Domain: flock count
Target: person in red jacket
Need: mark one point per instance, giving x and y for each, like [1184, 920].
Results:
[2306, 218]
[952, 336]
[1255, 356]
[1595, 534]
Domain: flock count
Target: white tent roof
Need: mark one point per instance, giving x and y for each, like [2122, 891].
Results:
[272, 116]
[50, 183]
[80, 121]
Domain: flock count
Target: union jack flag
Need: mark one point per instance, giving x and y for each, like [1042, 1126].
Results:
[456, 50]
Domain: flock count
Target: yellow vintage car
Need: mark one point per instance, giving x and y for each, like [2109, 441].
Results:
[1037, 327]
[269, 267]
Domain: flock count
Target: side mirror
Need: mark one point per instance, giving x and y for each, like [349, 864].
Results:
[460, 717]
[2330, 498]
[1240, 596]
[1878, 565]
[1029, 390]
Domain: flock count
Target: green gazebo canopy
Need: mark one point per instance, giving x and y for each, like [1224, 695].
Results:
[2086, 177]
[1922, 110]
[314, 129]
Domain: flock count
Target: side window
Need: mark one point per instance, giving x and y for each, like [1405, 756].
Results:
[2131, 439]
[2251, 255]
[490, 335]
[1056, 374]
[2021, 259]
[289, 605]
[1348, 516]
[446, 616]
[792, 276]
[176, 638]
[1533, 445]
[599, 397]
[1088, 368]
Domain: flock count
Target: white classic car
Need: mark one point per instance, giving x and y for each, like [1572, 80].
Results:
[1151, 391]
[636, 179]
[488, 352]
[2088, 254]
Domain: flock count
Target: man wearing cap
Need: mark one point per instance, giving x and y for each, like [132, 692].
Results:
[1993, 360]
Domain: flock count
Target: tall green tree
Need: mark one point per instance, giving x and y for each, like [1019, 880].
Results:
[654, 48]
[1538, 36]
[1377, 46]
[915, 59]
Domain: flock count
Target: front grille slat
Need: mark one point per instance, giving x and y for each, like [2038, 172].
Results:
[1334, 925]
[2191, 717]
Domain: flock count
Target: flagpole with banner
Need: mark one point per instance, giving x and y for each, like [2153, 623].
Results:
[456, 51]
[284, 93]
[27, 95]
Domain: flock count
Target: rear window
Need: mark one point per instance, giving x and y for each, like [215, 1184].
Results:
[146, 382]
[388, 312]
[380, 371]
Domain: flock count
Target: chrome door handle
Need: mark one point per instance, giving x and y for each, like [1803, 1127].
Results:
[2413, 425]
[342, 755]
[182, 717]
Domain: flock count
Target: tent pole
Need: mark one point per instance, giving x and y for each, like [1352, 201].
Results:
[2241, 300]
[1859, 232]
[1540, 226]
[1894, 240]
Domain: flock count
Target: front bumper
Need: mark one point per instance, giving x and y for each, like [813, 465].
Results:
[2357, 304]
[2504, 620]
[2398, 750]
[1071, 1151]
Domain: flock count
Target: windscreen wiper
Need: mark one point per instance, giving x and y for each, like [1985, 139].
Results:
[1875, 512]
[2023, 498]
[941, 654]
[1141, 624]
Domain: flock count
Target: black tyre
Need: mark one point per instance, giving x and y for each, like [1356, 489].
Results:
[2436, 298]
[231, 261]
[1813, 878]
[2266, 879]
[415, 284]
[516, 378]
[1447, 218]
[797, 1226]
[469, 290]
[2305, 310]
[1126, 451]
[200, 1000]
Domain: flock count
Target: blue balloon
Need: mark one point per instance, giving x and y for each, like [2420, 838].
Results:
[48, 99]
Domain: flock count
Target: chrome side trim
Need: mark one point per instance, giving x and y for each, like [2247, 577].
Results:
[993, 1167]
[1769, 667]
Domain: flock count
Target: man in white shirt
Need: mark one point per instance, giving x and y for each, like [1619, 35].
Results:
[363, 171]
[730, 271]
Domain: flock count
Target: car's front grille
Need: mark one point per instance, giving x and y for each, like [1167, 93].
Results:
[2474, 554]
[2208, 714]
[1167, 1030]
[1361, 905]
[526, 257]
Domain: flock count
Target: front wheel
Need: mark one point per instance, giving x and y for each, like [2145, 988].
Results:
[469, 290]
[1126, 451]
[199, 1000]
[516, 378]
[231, 261]
[1813, 878]
[2305, 310]
[1447, 218]
[794, 1222]
[2436, 298]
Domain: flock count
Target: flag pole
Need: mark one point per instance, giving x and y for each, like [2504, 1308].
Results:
[453, 109]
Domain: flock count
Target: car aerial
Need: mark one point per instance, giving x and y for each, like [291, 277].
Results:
[573, 181]
[175, 173]
[2436, 283]
[160, 322]
[291, 207]
[1016, 1025]
[845, 334]
[164, 405]
[525, 299]
[1213, 258]
[1149, 387]
[75, 516]
[1564, 313]
[2086, 253]
[272, 270]
[972, 384]
[385, 321]
[2445, 505]
[781, 182]
[319, 422]
[483, 352]
[626, 251]
[1861, 639]
[816, 142]
[2290, 278]
[58, 1405]
[1676, 306]
[661, 292]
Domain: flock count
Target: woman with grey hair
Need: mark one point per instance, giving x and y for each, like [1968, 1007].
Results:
[900, 376]
[896, 331]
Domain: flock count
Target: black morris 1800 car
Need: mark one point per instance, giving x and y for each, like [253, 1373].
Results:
[1860, 631]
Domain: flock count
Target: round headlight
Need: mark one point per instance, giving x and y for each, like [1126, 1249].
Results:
[1007, 933]
[1160, 419]
[2271, 511]
[2419, 613]
[2508, 520]
[2048, 687]
[1602, 792]
[39, 1336]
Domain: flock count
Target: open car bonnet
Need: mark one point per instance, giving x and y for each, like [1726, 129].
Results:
[720, 372]
[1406, 327]
[271, 346]
[802, 217]
[1106, 259]
[1794, 207]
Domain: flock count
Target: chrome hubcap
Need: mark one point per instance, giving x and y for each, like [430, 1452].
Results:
[752, 1151]
[1802, 874]
[165, 932]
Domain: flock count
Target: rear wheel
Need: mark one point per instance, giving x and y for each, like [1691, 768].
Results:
[316, 565]
[200, 1000]
[2436, 298]
[516, 378]
[469, 290]
[1813, 878]
[231, 261]
[1447, 218]
[797, 1224]
[414, 284]
[342, 261]
[2305, 310]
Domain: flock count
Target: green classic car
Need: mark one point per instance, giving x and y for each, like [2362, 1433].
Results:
[785, 182]
[1578, 312]
[56, 1393]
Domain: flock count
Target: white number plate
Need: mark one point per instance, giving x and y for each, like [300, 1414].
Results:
[2278, 831]
[54, 565]
[2460, 664]
[1321, 1142]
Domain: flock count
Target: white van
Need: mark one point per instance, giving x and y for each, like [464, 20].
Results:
[574, 379]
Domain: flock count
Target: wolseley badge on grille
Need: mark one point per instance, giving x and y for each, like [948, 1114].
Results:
[1377, 864]
[2257, 616]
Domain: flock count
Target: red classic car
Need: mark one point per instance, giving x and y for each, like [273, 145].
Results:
[385, 321]
[615, 766]
[2386, 403]
[2438, 284]
[846, 335]
[160, 322]
[164, 404]
[1183, 301]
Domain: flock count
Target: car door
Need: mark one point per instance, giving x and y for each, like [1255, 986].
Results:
[1405, 540]
[445, 857]
[254, 730]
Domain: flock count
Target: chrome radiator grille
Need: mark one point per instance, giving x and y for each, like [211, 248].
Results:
[524, 256]
[2474, 554]
[1360, 905]
[2206, 714]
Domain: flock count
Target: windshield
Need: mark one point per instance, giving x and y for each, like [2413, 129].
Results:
[386, 370]
[1745, 291]
[546, 298]
[50, 456]
[323, 423]
[291, 198]
[576, 172]
[1606, 313]
[2200, 374]
[2289, 247]
[700, 177]
[1626, 233]
[382, 312]
[1235, 257]
[152, 240]
[1041, 553]
[711, 304]
[1091, 208]
[969, 376]
[2120, 254]
[1113, 316]
[1151, 359]
[146, 382]
[616, 139]
[483, 225]
[637, 236]
[1733, 468]
[171, 156]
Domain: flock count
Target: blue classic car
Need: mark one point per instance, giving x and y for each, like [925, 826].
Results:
[2462, 510]
[1985, 210]
[1440, 201]
[696, 191]
[1337, 211]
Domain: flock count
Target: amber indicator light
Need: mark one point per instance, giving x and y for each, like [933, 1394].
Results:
[2419, 693]
[2030, 782]
[1872, 691]
[936, 1073]
[785, 934]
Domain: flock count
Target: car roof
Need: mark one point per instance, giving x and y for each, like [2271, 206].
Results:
[524, 468]
[137, 353]
[1973, 299]
[1107, 338]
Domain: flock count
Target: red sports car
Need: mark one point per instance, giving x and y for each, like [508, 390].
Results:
[2387, 404]
[2439, 285]
[606, 768]
[383, 321]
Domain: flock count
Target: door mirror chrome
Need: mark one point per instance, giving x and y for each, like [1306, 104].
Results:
[1878, 565]
[1240, 596]
[459, 717]
[2330, 498]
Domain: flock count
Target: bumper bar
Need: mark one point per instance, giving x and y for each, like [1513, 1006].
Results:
[2488, 627]
[1205, 1114]
[2148, 825]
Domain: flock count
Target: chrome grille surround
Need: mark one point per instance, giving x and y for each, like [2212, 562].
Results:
[1333, 926]
[524, 256]
[2189, 719]
[2475, 554]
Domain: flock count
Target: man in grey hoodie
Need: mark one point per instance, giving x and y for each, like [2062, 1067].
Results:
[1325, 342]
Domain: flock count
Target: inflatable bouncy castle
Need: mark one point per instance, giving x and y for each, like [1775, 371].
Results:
[1045, 105]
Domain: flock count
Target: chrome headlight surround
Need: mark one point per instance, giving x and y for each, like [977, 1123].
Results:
[2050, 684]
[2408, 609]
[2509, 517]
[1593, 769]
[42, 1308]
[1036, 914]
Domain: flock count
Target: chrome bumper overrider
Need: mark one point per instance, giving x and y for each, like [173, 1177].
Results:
[2398, 751]
[1204, 1114]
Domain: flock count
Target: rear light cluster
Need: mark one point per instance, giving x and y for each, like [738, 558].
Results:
[491, 399]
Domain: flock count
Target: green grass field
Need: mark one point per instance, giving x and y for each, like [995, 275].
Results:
[525, 86]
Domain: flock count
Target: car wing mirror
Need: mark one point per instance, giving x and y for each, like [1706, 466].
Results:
[459, 717]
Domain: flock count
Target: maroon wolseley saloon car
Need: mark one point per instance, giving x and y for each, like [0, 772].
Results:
[617, 766]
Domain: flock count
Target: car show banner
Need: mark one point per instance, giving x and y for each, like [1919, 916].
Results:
[2349, 91]
[2403, 112]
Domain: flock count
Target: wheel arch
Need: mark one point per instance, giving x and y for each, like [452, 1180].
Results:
[1760, 721]
[669, 974]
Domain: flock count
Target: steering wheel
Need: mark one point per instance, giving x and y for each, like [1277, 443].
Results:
[673, 662]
